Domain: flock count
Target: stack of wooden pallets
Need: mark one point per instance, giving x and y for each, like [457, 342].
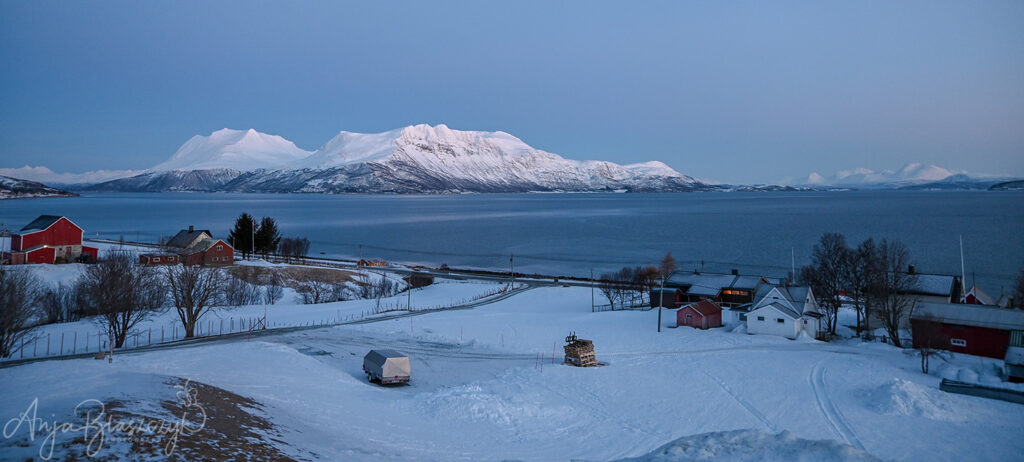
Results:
[579, 352]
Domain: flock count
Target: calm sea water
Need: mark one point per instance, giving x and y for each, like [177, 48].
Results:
[573, 233]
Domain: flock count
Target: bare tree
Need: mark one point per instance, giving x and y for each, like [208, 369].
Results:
[314, 291]
[58, 305]
[826, 273]
[273, 290]
[892, 287]
[932, 344]
[237, 292]
[608, 286]
[861, 268]
[121, 292]
[194, 290]
[17, 303]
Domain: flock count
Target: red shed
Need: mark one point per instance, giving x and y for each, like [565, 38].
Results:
[962, 328]
[48, 239]
[702, 315]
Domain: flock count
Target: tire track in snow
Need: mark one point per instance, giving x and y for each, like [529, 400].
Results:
[746, 404]
[829, 409]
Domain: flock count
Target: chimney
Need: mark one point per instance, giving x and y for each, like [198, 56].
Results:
[193, 228]
[911, 270]
[735, 272]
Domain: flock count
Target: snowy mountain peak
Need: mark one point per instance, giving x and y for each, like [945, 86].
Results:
[909, 174]
[413, 159]
[242, 150]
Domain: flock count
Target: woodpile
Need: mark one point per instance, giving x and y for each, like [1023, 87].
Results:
[579, 352]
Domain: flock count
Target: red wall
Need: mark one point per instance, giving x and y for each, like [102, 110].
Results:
[44, 255]
[225, 256]
[981, 341]
[696, 319]
[63, 232]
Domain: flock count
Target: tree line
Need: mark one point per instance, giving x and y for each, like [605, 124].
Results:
[263, 238]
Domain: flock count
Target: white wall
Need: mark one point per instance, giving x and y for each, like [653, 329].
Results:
[788, 328]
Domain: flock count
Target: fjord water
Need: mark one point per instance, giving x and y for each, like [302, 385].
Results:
[569, 234]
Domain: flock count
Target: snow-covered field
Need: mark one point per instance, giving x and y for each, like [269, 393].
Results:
[480, 392]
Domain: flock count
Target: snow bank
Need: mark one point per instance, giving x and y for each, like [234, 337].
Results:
[905, 398]
[754, 445]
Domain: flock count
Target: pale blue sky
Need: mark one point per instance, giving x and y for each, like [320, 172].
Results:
[733, 91]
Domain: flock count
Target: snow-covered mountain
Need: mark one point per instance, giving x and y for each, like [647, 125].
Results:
[240, 150]
[415, 159]
[911, 174]
[45, 175]
[15, 188]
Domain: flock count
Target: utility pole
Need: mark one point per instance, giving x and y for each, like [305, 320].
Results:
[792, 271]
[963, 275]
[591, 290]
[252, 243]
[661, 295]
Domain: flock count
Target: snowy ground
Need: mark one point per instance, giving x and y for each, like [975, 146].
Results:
[480, 392]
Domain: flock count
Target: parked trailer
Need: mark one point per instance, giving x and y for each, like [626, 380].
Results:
[386, 367]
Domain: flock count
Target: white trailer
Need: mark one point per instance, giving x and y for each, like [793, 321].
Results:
[386, 367]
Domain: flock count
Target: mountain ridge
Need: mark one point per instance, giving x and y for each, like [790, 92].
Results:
[414, 159]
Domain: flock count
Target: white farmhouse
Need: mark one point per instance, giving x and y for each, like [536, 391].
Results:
[784, 311]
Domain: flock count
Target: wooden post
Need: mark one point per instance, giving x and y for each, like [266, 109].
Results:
[74, 347]
[150, 335]
[61, 343]
[161, 334]
[47, 344]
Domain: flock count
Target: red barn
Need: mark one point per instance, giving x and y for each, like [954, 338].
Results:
[961, 328]
[49, 239]
[702, 315]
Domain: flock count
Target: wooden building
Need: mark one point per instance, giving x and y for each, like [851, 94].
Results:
[192, 247]
[701, 315]
[962, 328]
[49, 239]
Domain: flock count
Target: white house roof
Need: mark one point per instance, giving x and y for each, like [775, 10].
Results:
[970, 315]
[781, 309]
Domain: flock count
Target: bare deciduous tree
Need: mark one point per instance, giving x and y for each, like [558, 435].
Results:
[194, 290]
[826, 273]
[892, 287]
[58, 305]
[861, 268]
[121, 292]
[237, 292]
[273, 290]
[314, 291]
[17, 304]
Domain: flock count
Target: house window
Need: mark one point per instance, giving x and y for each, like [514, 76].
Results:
[958, 342]
[220, 247]
[214, 258]
[780, 320]
[760, 318]
[689, 316]
[743, 317]
[156, 259]
[171, 258]
[805, 322]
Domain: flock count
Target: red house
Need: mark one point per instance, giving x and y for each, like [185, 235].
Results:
[962, 328]
[701, 315]
[192, 247]
[49, 239]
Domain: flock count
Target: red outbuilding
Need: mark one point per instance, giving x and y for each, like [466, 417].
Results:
[192, 247]
[49, 239]
[963, 328]
[702, 315]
